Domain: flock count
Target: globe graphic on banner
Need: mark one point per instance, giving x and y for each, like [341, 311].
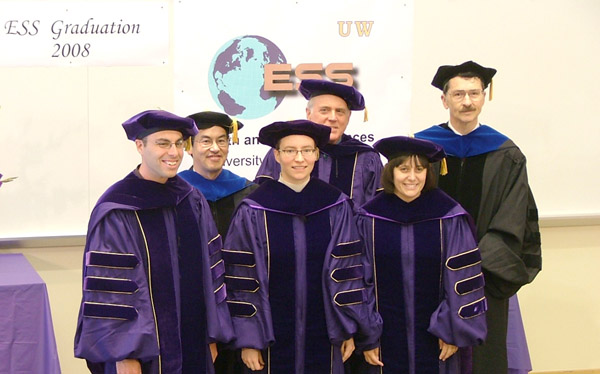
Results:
[236, 77]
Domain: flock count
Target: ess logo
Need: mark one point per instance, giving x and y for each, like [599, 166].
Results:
[249, 76]
[236, 76]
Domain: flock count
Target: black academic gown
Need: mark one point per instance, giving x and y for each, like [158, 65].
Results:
[487, 175]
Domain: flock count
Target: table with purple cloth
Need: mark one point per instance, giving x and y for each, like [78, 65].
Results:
[27, 343]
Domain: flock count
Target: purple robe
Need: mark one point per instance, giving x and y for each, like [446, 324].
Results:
[516, 341]
[295, 278]
[153, 280]
[352, 166]
[428, 280]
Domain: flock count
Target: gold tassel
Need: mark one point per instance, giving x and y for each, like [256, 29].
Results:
[234, 124]
[491, 89]
[365, 115]
[443, 167]
[188, 144]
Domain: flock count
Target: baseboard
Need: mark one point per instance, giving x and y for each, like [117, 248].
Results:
[588, 371]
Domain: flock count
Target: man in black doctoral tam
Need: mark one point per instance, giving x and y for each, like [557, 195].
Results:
[223, 189]
[487, 175]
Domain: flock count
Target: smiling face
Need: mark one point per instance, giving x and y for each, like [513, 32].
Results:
[409, 179]
[209, 151]
[464, 110]
[296, 168]
[160, 164]
[332, 111]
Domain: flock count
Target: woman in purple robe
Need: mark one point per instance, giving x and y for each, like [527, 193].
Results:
[294, 266]
[425, 266]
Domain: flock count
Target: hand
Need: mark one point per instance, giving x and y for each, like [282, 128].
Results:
[347, 349]
[446, 350]
[253, 359]
[372, 357]
[213, 351]
[129, 366]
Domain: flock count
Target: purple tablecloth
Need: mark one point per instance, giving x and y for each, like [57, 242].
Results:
[27, 344]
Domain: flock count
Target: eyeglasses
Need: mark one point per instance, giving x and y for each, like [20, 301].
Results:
[292, 153]
[474, 95]
[208, 142]
[165, 144]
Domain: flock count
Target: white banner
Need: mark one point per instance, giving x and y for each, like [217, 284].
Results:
[248, 60]
[84, 33]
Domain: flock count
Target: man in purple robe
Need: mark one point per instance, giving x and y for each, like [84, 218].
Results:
[294, 265]
[346, 163]
[153, 287]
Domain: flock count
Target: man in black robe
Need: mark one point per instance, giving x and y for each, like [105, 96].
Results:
[487, 175]
[222, 189]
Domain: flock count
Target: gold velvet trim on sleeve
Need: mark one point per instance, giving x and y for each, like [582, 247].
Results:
[233, 308]
[118, 280]
[213, 239]
[475, 312]
[226, 251]
[350, 300]
[338, 280]
[352, 254]
[91, 263]
[109, 305]
[249, 280]
[465, 255]
[456, 285]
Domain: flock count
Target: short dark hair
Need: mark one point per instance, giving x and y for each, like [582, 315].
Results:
[387, 177]
[205, 128]
[466, 74]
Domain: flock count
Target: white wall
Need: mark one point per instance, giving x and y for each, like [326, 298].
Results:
[60, 126]
[546, 54]
[560, 308]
